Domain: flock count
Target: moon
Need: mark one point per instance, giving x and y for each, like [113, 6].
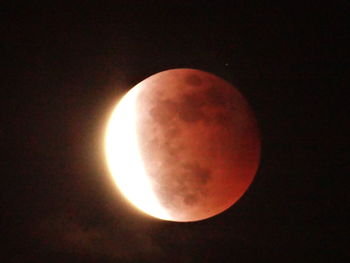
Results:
[182, 145]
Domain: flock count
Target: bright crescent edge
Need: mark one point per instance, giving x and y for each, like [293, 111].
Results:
[124, 159]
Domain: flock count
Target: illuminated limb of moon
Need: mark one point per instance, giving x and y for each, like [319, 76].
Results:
[124, 159]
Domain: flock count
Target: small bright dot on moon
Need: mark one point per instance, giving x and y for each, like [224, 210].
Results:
[124, 160]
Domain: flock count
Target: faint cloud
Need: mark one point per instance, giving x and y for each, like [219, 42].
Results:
[72, 235]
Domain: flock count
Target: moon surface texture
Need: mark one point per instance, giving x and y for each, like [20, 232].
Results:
[183, 145]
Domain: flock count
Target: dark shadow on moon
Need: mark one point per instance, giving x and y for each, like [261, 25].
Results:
[185, 179]
[188, 185]
[173, 113]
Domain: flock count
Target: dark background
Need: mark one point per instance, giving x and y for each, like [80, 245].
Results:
[65, 67]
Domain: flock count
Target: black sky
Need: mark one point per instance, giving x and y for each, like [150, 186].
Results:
[66, 66]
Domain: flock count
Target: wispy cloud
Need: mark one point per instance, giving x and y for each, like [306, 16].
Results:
[119, 240]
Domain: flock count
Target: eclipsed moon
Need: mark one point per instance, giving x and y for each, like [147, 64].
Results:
[182, 145]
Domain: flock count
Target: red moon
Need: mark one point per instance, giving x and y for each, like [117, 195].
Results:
[198, 140]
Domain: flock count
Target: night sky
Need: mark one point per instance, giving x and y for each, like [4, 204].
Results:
[65, 67]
